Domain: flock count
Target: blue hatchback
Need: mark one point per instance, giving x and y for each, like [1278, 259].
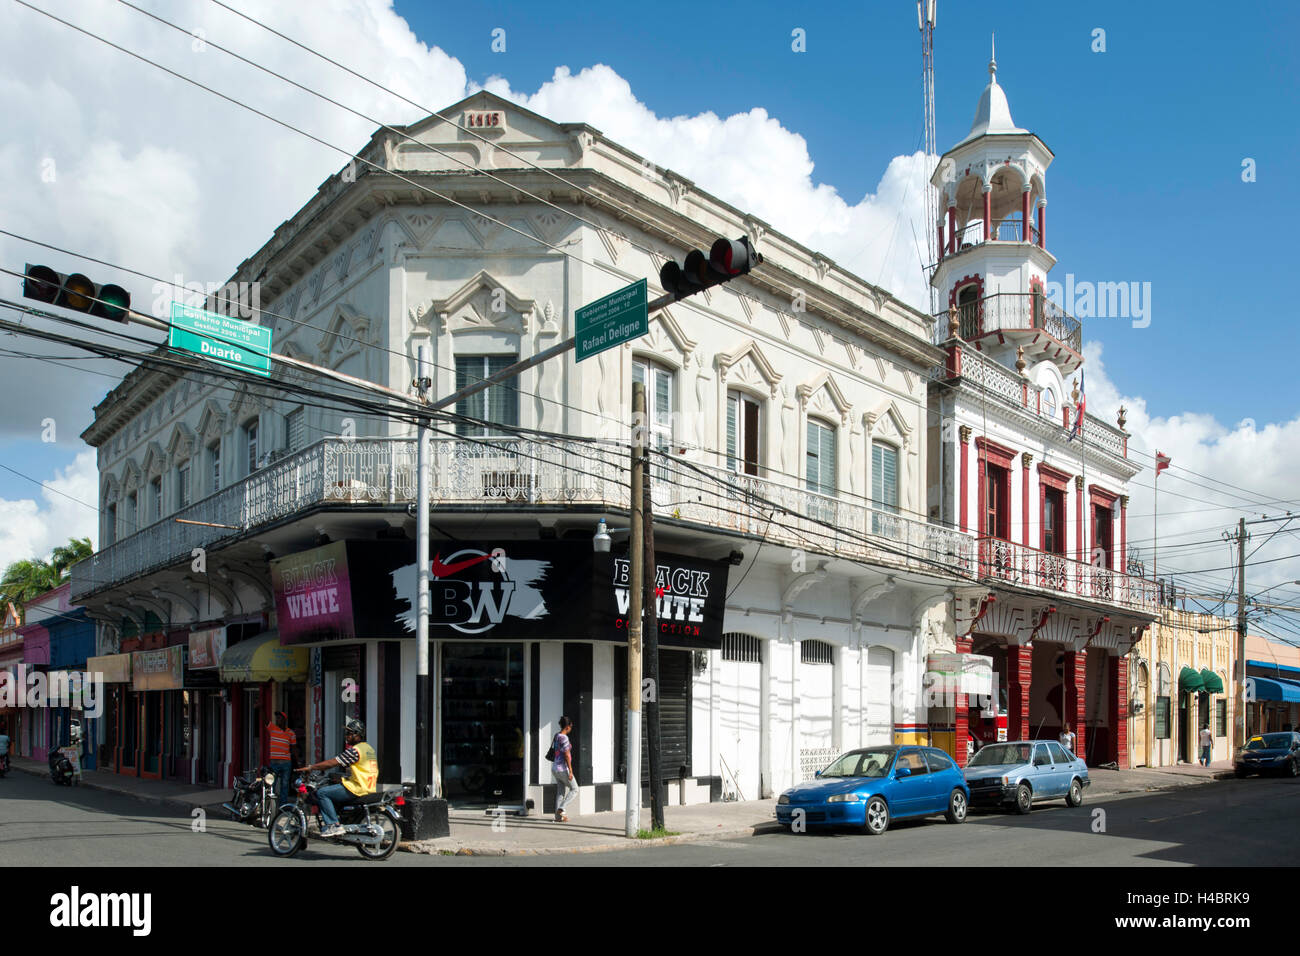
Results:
[869, 788]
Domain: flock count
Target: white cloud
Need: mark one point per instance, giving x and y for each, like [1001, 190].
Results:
[32, 529]
[1261, 460]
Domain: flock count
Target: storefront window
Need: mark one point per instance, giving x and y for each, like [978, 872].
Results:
[1162, 718]
[1221, 718]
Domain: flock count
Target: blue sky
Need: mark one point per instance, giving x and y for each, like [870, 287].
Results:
[1149, 138]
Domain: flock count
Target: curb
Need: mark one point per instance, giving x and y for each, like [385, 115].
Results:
[142, 797]
[731, 834]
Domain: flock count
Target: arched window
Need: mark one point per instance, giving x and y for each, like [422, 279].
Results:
[968, 310]
[816, 652]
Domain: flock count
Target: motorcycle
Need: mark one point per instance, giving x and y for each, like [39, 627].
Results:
[253, 801]
[4, 765]
[371, 823]
[62, 770]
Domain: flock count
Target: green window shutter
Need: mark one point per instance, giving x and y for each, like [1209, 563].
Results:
[828, 461]
[813, 472]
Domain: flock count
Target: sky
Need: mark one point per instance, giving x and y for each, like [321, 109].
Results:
[1172, 126]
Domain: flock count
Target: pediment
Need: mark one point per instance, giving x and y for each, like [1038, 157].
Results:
[823, 396]
[155, 460]
[213, 420]
[345, 333]
[484, 302]
[887, 421]
[748, 366]
[666, 336]
[181, 445]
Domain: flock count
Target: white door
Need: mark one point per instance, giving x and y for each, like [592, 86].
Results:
[878, 691]
[739, 707]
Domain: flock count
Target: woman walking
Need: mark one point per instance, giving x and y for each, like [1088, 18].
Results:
[566, 788]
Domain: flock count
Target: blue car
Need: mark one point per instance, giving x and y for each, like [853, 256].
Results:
[1269, 753]
[869, 788]
[1022, 772]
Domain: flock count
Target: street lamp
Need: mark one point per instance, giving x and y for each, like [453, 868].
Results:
[601, 541]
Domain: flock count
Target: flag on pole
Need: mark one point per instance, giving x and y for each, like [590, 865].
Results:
[1077, 428]
[1162, 462]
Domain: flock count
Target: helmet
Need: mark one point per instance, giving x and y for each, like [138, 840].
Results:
[354, 726]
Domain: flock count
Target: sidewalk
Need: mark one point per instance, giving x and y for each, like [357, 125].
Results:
[477, 833]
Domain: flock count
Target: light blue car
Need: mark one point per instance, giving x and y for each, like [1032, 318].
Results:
[1019, 773]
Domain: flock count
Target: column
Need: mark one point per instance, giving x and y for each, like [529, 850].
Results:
[939, 229]
[1075, 677]
[1042, 223]
[1019, 672]
[963, 435]
[1117, 669]
[1081, 532]
[1025, 460]
[988, 211]
[1024, 215]
[1123, 534]
[961, 726]
[952, 228]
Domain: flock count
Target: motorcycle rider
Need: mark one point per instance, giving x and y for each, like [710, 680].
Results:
[362, 765]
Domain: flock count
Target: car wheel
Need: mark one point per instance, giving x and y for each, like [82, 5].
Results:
[956, 807]
[877, 816]
[1024, 798]
[1295, 766]
[1075, 797]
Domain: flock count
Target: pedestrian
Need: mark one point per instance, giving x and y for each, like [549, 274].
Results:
[566, 788]
[283, 749]
[1067, 738]
[1207, 740]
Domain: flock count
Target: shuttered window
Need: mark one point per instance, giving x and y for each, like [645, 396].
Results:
[744, 648]
[884, 477]
[742, 434]
[494, 405]
[296, 425]
[821, 458]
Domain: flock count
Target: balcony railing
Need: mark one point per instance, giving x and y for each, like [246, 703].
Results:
[1013, 312]
[1006, 230]
[519, 473]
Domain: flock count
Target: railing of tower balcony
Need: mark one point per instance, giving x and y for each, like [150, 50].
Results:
[1014, 311]
[1004, 230]
[518, 473]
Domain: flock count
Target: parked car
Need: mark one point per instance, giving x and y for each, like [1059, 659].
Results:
[1019, 773]
[871, 787]
[1269, 753]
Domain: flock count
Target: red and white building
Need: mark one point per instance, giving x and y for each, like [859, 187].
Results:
[1056, 611]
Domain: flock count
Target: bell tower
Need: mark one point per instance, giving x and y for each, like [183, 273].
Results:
[992, 240]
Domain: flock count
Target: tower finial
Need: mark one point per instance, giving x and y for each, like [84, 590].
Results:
[993, 57]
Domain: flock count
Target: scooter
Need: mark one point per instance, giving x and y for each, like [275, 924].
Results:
[371, 823]
[62, 771]
[4, 765]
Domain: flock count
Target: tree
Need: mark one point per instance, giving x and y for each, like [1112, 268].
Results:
[30, 578]
[65, 556]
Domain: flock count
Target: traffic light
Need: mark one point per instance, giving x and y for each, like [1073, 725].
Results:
[727, 259]
[76, 292]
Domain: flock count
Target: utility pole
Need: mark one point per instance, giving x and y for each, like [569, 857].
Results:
[636, 557]
[1239, 725]
[423, 743]
[650, 625]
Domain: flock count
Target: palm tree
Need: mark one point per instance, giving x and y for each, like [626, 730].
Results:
[66, 555]
[27, 579]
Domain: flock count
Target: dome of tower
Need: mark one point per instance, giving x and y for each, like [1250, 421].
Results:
[993, 115]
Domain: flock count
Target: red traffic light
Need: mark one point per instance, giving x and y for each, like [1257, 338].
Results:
[727, 259]
[733, 257]
[41, 283]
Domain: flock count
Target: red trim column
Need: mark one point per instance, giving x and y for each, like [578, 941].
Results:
[1123, 534]
[988, 211]
[1019, 671]
[1025, 224]
[963, 435]
[1118, 674]
[961, 727]
[952, 229]
[1042, 224]
[1025, 461]
[1079, 536]
[939, 227]
[1076, 693]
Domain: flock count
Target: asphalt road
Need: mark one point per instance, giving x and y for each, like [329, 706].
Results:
[1249, 822]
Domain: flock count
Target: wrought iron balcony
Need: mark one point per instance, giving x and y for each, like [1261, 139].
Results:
[518, 474]
[1013, 312]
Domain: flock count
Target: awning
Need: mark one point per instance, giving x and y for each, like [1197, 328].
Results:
[261, 658]
[1190, 681]
[1211, 682]
[1266, 688]
[1274, 666]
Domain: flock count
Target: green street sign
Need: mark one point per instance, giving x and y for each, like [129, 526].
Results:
[234, 342]
[619, 317]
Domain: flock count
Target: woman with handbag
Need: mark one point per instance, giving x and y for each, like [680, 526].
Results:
[561, 757]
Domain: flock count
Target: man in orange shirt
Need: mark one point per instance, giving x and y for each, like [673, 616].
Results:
[284, 746]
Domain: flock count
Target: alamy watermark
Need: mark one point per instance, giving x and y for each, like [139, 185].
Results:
[1102, 300]
[32, 688]
[237, 300]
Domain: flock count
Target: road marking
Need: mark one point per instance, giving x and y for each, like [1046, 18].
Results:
[1176, 816]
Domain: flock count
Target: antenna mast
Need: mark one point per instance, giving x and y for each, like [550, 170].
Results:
[925, 20]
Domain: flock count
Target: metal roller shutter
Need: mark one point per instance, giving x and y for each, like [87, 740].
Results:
[674, 715]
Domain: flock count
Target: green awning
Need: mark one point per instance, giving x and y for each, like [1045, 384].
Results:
[1211, 682]
[1190, 681]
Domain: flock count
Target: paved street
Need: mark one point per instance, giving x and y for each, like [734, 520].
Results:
[1235, 822]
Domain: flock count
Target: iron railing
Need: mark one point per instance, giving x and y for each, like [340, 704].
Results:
[1013, 311]
[516, 474]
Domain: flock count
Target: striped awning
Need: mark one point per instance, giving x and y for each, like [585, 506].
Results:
[1190, 680]
[1211, 683]
[261, 658]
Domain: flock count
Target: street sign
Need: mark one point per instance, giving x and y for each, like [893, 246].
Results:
[234, 342]
[617, 318]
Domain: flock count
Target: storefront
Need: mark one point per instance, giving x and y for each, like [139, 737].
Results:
[158, 705]
[261, 677]
[114, 671]
[521, 632]
[206, 704]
